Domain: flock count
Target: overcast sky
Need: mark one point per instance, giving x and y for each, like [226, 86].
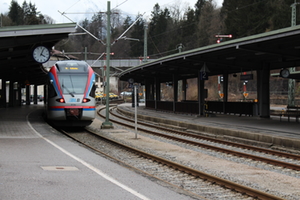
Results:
[128, 7]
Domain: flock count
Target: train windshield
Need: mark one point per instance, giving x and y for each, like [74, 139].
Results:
[72, 84]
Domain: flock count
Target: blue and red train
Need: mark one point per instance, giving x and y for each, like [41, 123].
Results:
[71, 94]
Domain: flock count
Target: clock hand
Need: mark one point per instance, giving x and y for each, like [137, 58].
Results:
[42, 52]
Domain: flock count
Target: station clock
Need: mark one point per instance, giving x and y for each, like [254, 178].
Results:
[285, 73]
[41, 54]
[131, 80]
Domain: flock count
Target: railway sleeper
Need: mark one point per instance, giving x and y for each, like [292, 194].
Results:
[172, 126]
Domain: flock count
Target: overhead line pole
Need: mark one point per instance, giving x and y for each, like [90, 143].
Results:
[291, 86]
[145, 43]
[107, 124]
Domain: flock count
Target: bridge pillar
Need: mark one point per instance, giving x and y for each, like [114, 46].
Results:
[113, 82]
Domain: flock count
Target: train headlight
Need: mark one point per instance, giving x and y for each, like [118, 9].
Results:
[61, 100]
[85, 100]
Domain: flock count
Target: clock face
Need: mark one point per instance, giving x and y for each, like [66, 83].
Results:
[41, 54]
[130, 80]
[285, 73]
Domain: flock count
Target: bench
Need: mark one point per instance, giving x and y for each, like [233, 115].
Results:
[278, 113]
[292, 111]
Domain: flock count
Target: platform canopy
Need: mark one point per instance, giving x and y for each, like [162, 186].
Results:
[277, 49]
[16, 48]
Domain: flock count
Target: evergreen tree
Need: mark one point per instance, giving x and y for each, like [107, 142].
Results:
[189, 31]
[121, 48]
[30, 14]
[204, 26]
[26, 15]
[137, 48]
[198, 8]
[5, 20]
[96, 25]
[15, 13]
[279, 12]
[127, 23]
[83, 41]
[189, 24]
[244, 18]
[158, 39]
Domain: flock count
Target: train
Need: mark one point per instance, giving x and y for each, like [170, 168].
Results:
[70, 94]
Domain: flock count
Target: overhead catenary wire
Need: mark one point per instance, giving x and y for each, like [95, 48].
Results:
[121, 36]
[99, 40]
[71, 6]
[120, 4]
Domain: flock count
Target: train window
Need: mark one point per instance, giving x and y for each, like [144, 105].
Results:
[93, 91]
[73, 67]
[73, 84]
[51, 90]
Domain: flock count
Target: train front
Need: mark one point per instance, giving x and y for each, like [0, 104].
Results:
[71, 94]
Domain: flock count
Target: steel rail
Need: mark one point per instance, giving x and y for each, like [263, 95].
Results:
[113, 142]
[232, 152]
[234, 144]
[211, 178]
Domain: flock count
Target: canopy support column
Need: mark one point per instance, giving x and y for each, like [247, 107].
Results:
[157, 91]
[201, 96]
[263, 91]
[175, 91]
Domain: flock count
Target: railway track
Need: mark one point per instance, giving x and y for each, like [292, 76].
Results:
[252, 157]
[197, 184]
[289, 164]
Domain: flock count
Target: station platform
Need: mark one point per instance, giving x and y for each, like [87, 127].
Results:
[37, 162]
[271, 132]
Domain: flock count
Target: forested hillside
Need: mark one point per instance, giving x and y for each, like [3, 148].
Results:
[168, 27]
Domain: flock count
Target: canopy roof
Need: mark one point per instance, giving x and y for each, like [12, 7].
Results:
[17, 43]
[274, 50]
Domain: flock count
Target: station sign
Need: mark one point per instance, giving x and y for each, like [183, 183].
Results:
[222, 36]
[203, 76]
[245, 77]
